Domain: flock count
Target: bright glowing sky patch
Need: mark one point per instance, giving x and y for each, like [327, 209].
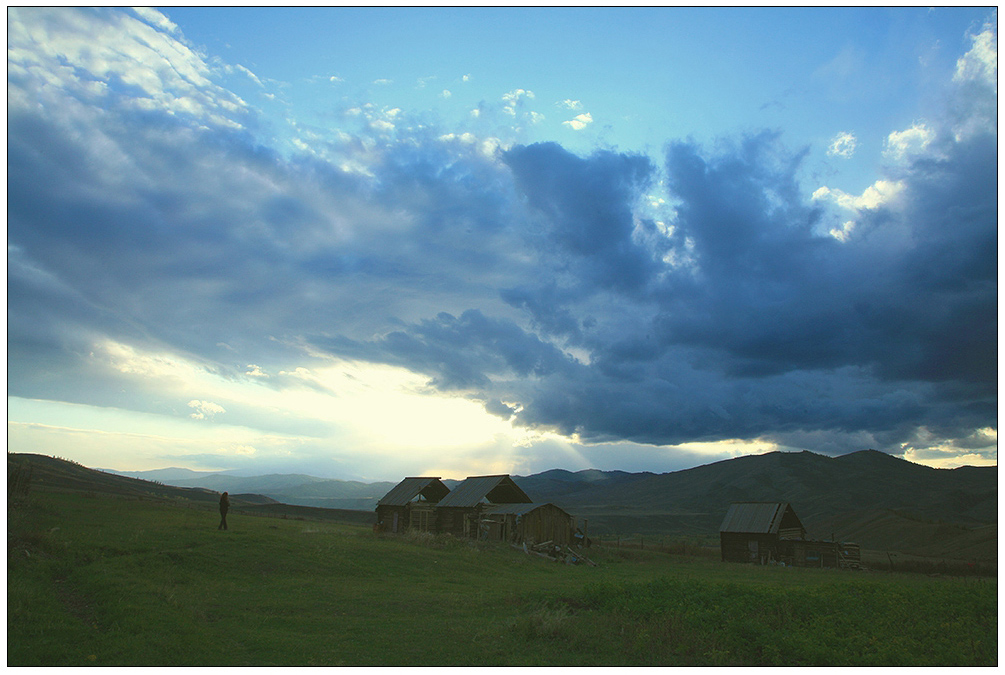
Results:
[452, 241]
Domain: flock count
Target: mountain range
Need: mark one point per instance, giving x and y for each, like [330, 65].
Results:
[880, 501]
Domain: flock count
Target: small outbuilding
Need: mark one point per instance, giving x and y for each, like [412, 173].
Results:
[771, 532]
[531, 523]
[410, 505]
[753, 531]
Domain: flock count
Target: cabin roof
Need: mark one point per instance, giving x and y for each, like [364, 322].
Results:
[429, 487]
[759, 517]
[517, 509]
[496, 489]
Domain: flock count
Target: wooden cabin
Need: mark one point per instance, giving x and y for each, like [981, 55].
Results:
[461, 511]
[753, 531]
[531, 523]
[771, 532]
[410, 505]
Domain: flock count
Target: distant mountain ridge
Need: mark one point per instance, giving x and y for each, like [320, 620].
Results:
[297, 489]
[875, 499]
[866, 496]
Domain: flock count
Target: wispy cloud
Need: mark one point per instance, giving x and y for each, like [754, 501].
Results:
[842, 145]
[161, 260]
[513, 100]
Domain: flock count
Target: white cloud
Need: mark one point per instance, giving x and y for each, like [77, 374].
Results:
[879, 194]
[446, 93]
[155, 19]
[251, 75]
[513, 99]
[842, 145]
[92, 55]
[383, 81]
[205, 409]
[981, 62]
[579, 122]
[571, 104]
[901, 145]
[842, 233]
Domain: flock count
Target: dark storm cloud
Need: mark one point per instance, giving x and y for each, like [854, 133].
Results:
[586, 208]
[528, 281]
[462, 353]
[775, 328]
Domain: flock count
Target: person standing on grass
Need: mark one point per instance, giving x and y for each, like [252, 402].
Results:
[224, 507]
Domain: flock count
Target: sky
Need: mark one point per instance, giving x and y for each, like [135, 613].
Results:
[369, 243]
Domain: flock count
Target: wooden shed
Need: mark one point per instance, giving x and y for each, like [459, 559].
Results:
[771, 532]
[410, 504]
[531, 523]
[753, 531]
[460, 512]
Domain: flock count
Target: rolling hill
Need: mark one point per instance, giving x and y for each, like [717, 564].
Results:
[51, 473]
[288, 488]
[877, 500]
[867, 496]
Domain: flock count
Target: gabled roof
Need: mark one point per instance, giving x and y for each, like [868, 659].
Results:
[405, 491]
[517, 509]
[760, 518]
[495, 489]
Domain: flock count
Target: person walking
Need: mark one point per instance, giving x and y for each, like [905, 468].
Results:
[224, 507]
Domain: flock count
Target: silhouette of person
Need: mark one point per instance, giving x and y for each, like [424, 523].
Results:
[224, 507]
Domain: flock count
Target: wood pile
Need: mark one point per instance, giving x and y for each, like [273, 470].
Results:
[555, 553]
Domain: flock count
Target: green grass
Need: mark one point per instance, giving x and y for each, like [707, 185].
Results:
[106, 581]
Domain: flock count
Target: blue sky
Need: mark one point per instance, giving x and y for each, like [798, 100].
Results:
[367, 243]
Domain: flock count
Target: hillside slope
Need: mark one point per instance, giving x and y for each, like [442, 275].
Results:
[868, 496]
[299, 489]
[818, 484]
[879, 501]
[52, 473]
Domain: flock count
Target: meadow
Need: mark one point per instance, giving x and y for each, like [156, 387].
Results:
[97, 580]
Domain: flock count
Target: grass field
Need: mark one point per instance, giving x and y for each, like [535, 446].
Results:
[100, 581]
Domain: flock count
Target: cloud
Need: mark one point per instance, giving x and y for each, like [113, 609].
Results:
[205, 409]
[842, 145]
[161, 259]
[513, 100]
[901, 145]
[980, 64]
[881, 194]
[570, 104]
[155, 18]
[579, 122]
[117, 60]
